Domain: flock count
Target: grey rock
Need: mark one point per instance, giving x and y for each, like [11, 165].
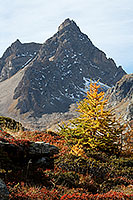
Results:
[122, 89]
[42, 161]
[4, 194]
[42, 148]
[121, 97]
[129, 112]
[35, 154]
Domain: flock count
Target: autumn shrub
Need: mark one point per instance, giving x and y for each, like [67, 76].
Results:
[121, 166]
[90, 165]
[110, 195]
[69, 179]
[23, 191]
[26, 191]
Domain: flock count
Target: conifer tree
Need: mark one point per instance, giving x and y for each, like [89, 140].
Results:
[96, 128]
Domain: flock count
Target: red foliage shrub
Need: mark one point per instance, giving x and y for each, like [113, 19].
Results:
[109, 195]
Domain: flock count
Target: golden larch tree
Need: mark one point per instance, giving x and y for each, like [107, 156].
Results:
[96, 127]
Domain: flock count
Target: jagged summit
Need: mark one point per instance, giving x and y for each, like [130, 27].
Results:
[68, 24]
[17, 42]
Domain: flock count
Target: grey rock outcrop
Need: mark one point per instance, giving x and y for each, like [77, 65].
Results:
[39, 154]
[4, 194]
[42, 148]
[121, 97]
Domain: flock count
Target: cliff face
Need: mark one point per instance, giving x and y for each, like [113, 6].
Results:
[50, 77]
[121, 97]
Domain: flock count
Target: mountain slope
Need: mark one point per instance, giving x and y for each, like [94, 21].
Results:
[121, 97]
[57, 75]
[7, 88]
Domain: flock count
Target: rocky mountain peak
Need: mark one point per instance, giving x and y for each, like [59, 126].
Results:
[57, 73]
[68, 25]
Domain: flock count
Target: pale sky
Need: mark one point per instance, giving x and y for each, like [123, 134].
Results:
[108, 24]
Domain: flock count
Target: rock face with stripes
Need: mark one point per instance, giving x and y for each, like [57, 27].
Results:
[55, 74]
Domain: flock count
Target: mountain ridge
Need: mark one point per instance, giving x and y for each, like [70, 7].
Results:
[16, 57]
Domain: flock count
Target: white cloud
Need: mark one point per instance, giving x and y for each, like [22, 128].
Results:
[109, 24]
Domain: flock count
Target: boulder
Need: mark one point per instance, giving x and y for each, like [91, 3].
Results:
[4, 194]
[22, 154]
